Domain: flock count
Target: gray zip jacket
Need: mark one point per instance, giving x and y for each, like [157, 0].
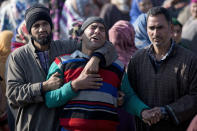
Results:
[24, 76]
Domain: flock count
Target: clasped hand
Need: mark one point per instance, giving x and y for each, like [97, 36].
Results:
[152, 116]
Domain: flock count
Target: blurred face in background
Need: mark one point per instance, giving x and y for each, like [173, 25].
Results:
[193, 9]
[91, 10]
[145, 5]
[177, 30]
[123, 5]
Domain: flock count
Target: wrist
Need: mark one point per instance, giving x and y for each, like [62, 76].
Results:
[44, 86]
[96, 59]
[41, 90]
[100, 57]
[164, 113]
[73, 86]
[142, 112]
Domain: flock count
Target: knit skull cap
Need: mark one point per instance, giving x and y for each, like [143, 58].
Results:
[193, 1]
[89, 21]
[176, 22]
[35, 13]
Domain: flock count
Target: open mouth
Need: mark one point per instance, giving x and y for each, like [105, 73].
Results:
[94, 38]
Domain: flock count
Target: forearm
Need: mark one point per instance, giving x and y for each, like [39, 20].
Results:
[183, 109]
[132, 103]
[19, 90]
[23, 94]
[109, 53]
[59, 96]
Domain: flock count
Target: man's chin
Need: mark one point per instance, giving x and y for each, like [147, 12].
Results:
[157, 44]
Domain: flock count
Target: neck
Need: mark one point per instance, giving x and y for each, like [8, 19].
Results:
[161, 51]
[86, 51]
[41, 47]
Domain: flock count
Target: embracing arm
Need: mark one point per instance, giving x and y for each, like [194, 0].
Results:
[107, 54]
[58, 97]
[61, 96]
[25, 85]
[132, 103]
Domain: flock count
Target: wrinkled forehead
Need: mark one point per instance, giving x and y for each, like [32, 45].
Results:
[97, 24]
[156, 20]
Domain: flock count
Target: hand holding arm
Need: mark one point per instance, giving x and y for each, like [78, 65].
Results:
[54, 82]
[60, 96]
[92, 66]
[86, 81]
[109, 53]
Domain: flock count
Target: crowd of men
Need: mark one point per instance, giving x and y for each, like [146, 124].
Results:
[69, 85]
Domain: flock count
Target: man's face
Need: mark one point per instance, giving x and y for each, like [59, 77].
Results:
[159, 30]
[177, 30]
[94, 36]
[41, 32]
[145, 5]
[193, 9]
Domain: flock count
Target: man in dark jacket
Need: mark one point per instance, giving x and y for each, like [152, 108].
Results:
[164, 75]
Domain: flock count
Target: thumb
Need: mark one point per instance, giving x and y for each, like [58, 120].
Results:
[56, 74]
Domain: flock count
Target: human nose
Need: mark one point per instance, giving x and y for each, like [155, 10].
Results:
[175, 34]
[97, 30]
[155, 32]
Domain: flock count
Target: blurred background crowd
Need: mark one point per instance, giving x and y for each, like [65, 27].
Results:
[125, 20]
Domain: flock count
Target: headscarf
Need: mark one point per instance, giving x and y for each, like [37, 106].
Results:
[141, 36]
[21, 36]
[193, 1]
[135, 11]
[56, 11]
[122, 37]
[70, 16]
[5, 41]
[12, 14]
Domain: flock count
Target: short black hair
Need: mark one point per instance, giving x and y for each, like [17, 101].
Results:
[158, 10]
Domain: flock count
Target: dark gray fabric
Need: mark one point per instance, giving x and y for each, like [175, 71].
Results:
[173, 85]
[24, 76]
